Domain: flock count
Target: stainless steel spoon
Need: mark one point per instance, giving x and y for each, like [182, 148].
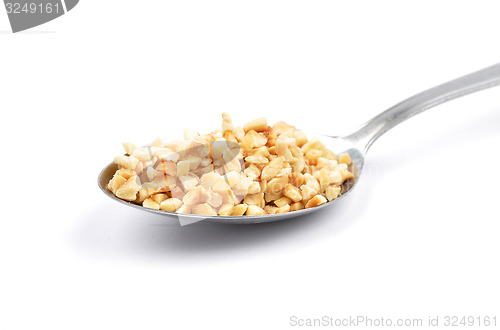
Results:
[356, 144]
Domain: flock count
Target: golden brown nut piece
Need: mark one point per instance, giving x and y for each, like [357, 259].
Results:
[171, 204]
[316, 201]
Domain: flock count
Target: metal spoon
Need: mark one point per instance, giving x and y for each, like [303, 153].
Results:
[356, 144]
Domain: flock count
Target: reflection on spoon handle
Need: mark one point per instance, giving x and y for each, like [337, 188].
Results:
[416, 104]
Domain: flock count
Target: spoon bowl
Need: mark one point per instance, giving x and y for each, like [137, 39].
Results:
[332, 143]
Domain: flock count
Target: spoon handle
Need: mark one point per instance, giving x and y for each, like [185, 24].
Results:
[473, 82]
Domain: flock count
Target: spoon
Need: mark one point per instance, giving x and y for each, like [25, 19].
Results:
[356, 144]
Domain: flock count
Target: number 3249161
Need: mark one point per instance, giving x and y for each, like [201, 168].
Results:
[455, 321]
[32, 8]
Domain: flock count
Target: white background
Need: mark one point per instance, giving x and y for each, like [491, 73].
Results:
[418, 236]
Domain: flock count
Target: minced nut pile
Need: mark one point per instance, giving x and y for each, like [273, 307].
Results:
[254, 170]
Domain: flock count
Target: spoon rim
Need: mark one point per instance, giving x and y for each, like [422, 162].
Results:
[271, 217]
